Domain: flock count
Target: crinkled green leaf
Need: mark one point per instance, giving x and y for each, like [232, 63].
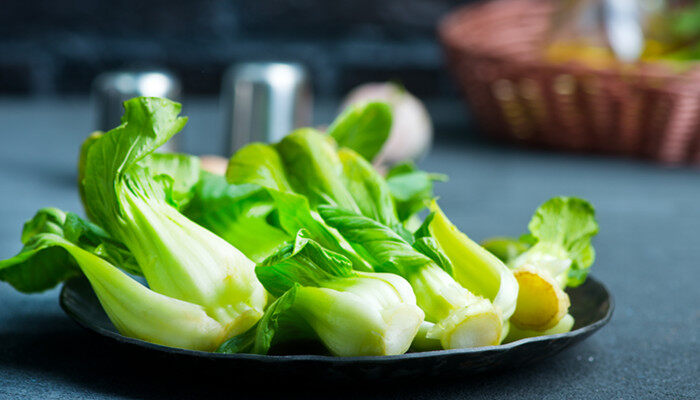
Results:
[303, 262]
[294, 213]
[568, 222]
[562, 229]
[386, 250]
[179, 258]
[147, 123]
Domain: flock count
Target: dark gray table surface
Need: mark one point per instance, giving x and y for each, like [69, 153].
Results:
[647, 254]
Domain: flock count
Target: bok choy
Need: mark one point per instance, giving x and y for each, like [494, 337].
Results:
[344, 253]
[556, 253]
[178, 258]
[201, 289]
[461, 318]
[320, 296]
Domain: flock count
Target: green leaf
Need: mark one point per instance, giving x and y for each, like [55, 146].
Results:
[43, 262]
[184, 171]
[82, 161]
[429, 247]
[39, 266]
[269, 324]
[295, 213]
[384, 248]
[304, 262]
[260, 164]
[91, 237]
[148, 122]
[46, 220]
[363, 128]
[424, 229]
[241, 214]
[314, 169]
[566, 224]
[242, 343]
[411, 188]
[178, 257]
[49, 258]
[368, 188]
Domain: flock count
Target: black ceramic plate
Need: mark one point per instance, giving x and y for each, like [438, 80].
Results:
[591, 306]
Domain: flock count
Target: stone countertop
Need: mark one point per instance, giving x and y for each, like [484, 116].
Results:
[646, 254]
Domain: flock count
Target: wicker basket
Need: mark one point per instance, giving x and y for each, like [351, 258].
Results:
[495, 51]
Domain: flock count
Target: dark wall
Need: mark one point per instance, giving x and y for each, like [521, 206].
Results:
[59, 46]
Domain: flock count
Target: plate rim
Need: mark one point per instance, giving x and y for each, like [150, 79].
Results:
[584, 330]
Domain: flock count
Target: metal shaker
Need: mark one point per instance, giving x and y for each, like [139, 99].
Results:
[264, 101]
[111, 89]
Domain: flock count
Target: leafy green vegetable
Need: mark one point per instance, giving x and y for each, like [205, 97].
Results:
[353, 313]
[178, 172]
[429, 247]
[303, 262]
[363, 128]
[271, 324]
[333, 239]
[474, 267]
[259, 164]
[181, 171]
[411, 188]
[563, 228]
[39, 267]
[368, 189]
[56, 248]
[82, 160]
[178, 258]
[461, 318]
[559, 254]
[313, 167]
[260, 339]
[262, 165]
[295, 214]
[240, 214]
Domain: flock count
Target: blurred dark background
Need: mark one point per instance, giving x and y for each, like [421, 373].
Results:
[58, 47]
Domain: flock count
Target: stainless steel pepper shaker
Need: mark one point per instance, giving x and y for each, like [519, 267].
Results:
[111, 89]
[264, 101]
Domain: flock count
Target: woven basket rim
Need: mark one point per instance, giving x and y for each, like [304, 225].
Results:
[678, 83]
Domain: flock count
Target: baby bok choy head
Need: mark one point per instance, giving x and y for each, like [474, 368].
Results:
[557, 253]
[472, 266]
[352, 313]
[460, 318]
[178, 258]
[60, 245]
